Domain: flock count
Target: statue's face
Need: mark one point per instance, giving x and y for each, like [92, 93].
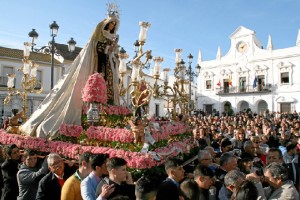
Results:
[111, 25]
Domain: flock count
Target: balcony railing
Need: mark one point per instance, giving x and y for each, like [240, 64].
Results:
[244, 89]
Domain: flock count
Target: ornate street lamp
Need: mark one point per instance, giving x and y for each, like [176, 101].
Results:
[50, 49]
[190, 60]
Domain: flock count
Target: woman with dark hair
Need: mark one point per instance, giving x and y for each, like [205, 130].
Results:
[247, 191]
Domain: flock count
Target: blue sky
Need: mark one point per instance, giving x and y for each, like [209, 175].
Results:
[191, 25]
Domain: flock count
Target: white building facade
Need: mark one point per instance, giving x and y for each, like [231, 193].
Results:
[250, 77]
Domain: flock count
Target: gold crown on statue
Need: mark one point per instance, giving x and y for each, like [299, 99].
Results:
[113, 10]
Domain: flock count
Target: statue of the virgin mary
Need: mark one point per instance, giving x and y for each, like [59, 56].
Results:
[63, 105]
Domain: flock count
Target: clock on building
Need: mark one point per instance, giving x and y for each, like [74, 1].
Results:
[242, 47]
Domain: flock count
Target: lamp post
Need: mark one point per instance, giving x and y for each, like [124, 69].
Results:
[190, 60]
[191, 74]
[50, 49]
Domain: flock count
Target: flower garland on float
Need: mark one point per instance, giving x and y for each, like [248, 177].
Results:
[136, 160]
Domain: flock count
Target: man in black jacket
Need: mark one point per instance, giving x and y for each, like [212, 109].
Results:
[169, 188]
[119, 181]
[204, 177]
[50, 185]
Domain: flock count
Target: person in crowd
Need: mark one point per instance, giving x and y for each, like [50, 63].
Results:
[145, 189]
[228, 162]
[245, 165]
[274, 140]
[29, 175]
[89, 184]
[119, 181]
[2, 159]
[259, 150]
[2, 156]
[50, 185]
[232, 180]
[226, 145]
[290, 156]
[204, 178]
[280, 187]
[169, 188]
[249, 150]
[230, 131]
[9, 169]
[190, 190]
[200, 138]
[275, 155]
[246, 191]
[238, 140]
[71, 188]
[204, 158]
[212, 152]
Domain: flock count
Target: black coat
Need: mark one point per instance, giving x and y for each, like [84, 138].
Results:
[123, 189]
[167, 190]
[49, 188]
[9, 171]
[293, 174]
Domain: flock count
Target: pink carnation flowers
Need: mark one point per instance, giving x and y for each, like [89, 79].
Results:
[95, 89]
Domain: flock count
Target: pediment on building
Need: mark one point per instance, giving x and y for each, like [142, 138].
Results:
[241, 32]
[242, 69]
[245, 35]
[285, 65]
[260, 67]
[208, 74]
[283, 99]
[226, 72]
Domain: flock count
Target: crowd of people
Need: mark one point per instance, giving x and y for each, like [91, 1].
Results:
[240, 157]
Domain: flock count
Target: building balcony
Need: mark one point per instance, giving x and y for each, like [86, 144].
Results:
[3, 81]
[259, 89]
